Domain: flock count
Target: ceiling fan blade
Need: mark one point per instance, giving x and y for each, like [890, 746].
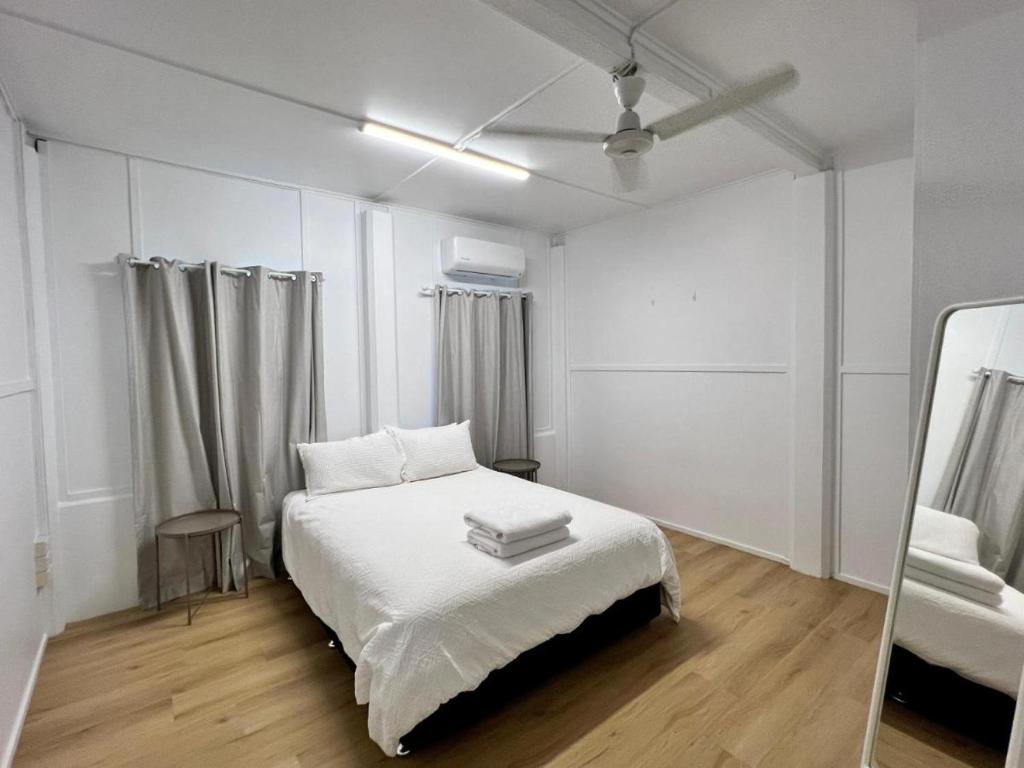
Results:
[551, 134]
[727, 101]
[629, 174]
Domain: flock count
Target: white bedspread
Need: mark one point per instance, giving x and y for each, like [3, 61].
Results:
[424, 614]
[980, 642]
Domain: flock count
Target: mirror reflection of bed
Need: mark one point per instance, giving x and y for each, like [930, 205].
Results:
[958, 635]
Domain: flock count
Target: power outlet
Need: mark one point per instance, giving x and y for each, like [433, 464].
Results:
[41, 555]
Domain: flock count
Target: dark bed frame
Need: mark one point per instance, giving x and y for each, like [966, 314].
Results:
[943, 696]
[531, 667]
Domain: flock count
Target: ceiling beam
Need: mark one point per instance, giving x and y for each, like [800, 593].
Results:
[598, 34]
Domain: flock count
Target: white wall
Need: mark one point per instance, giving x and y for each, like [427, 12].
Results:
[970, 172]
[100, 204]
[724, 373]
[680, 328]
[22, 607]
[875, 275]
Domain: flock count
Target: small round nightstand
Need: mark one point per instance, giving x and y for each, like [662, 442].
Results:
[524, 468]
[205, 522]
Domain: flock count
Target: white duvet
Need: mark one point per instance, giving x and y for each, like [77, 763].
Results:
[424, 614]
[984, 643]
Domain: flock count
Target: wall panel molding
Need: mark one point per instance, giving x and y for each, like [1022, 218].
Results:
[873, 370]
[773, 368]
[89, 496]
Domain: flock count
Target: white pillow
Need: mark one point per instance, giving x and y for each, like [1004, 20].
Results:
[347, 465]
[944, 534]
[435, 451]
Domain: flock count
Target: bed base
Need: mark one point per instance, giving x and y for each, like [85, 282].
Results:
[530, 668]
[940, 694]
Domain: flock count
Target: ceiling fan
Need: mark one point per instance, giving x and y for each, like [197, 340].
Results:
[630, 142]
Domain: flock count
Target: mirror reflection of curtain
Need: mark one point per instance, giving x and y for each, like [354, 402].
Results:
[483, 370]
[226, 374]
[984, 480]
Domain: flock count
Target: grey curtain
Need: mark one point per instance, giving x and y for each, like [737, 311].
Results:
[226, 376]
[984, 479]
[483, 370]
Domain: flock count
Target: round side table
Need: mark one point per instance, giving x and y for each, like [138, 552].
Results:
[524, 468]
[205, 522]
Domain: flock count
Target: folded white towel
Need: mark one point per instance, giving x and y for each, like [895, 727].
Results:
[513, 523]
[955, 587]
[485, 543]
[944, 534]
[968, 574]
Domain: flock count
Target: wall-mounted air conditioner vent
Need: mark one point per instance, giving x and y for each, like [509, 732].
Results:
[470, 257]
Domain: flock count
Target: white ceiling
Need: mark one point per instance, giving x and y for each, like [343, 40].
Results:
[272, 90]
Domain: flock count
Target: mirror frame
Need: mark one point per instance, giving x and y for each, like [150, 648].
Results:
[1015, 751]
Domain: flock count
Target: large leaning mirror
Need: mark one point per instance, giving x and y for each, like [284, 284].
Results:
[950, 665]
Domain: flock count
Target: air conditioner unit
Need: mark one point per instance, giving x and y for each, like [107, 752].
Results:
[481, 258]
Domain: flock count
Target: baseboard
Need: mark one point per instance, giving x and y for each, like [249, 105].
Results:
[862, 583]
[26, 699]
[720, 540]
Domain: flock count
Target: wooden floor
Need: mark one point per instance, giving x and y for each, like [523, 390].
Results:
[767, 668]
[909, 740]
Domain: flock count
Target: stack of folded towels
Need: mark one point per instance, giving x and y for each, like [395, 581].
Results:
[943, 553]
[512, 530]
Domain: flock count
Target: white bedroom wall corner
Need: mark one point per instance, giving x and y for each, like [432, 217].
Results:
[381, 346]
[873, 345]
[46, 445]
[812, 373]
[23, 606]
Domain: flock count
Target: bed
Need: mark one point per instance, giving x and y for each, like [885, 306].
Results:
[982, 643]
[424, 615]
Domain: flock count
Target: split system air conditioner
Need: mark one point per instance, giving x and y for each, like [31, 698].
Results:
[480, 258]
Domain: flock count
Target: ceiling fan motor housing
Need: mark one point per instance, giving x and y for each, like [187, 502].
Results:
[629, 139]
[628, 143]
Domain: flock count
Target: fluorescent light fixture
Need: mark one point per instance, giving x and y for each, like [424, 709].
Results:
[444, 150]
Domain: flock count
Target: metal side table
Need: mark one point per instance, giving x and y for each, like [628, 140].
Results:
[524, 468]
[205, 522]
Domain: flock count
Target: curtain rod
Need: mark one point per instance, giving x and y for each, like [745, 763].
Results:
[431, 290]
[986, 372]
[184, 265]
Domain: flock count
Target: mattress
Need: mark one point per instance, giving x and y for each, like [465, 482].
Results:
[980, 642]
[424, 614]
